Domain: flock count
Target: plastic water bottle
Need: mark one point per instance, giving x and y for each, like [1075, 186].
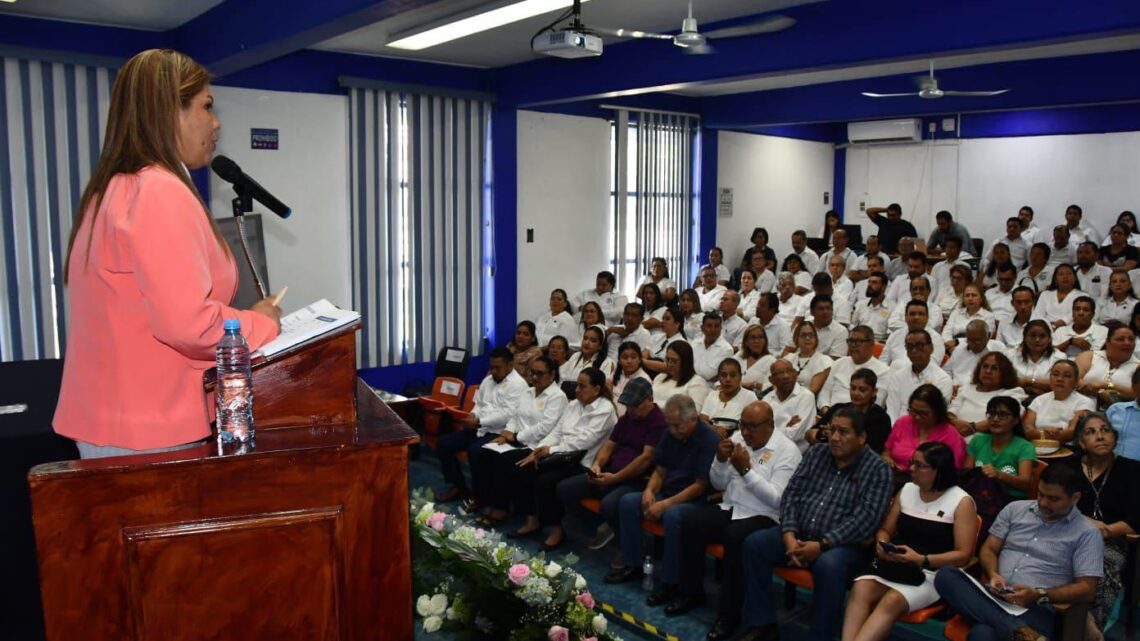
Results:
[647, 574]
[235, 387]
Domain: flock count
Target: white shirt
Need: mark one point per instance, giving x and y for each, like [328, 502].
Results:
[1018, 250]
[970, 403]
[536, 414]
[710, 298]
[1083, 232]
[897, 320]
[612, 304]
[692, 325]
[842, 288]
[765, 282]
[903, 381]
[803, 279]
[758, 492]
[663, 284]
[1055, 414]
[1094, 282]
[899, 289]
[1108, 309]
[1039, 283]
[732, 330]
[640, 336]
[888, 264]
[941, 269]
[1001, 303]
[810, 259]
[1101, 371]
[789, 307]
[1031, 235]
[564, 325]
[760, 372]
[1095, 334]
[841, 309]
[874, 316]
[496, 402]
[715, 408]
[946, 301]
[1066, 255]
[1011, 333]
[807, 368]
[894, 352]
[962, 361]
[748, 304]
[849, 258]
[665, 388]
[1049, 308]
[960, 318]
[577, 362]
[582, 428]
[657, 350]
[706, 360]
[837, 388]
[801, 403]
[779, 333]
[1030, 369]
[832, 339]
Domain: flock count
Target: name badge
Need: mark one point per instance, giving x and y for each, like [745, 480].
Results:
[540, 405]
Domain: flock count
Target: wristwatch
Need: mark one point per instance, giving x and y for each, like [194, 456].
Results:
[1042, 597]
[824, 544]
[925, 561]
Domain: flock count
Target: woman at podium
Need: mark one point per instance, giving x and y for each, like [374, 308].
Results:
[149, 276]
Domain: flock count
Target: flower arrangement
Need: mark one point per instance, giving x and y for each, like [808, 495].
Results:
[472, 583]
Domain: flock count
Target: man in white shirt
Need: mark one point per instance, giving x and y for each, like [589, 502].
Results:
[1078, 231]
[968, 352]
[837, 388]
[752, 467]
[922, 370]
[732, 326]
[1000, 298]
[841, 285]
[862, 267]
[495, 404]
[917, 317]
[899, 266]
[872, 311]
[629, 330]
[941, 270]
[793, 406]
[919, 290]
[831, 335]
[1092, 277]
[710, 348]
[1030, 232]
[899, 289]
[1072, 341]
[788, 298]
[1062, 251]
[767, 315]
[875, 265]
[611, 302]
[839, 248]
[821, 286]
[1011, 330]
[1018, 248]
[807, 255]
[710, 290]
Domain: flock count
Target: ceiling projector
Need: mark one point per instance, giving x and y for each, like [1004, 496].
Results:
[567, 43]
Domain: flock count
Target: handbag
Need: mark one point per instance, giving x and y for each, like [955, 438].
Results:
[560, 458]
[897, 571]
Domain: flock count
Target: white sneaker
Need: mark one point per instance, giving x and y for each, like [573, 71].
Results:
[602, 537]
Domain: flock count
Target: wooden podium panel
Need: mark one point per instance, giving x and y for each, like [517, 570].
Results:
[305, 537]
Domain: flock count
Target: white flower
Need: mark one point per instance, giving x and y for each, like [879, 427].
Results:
[452, 615]
[579, 582]
[599, 624]
[438, 605]
[423, 605]
[553, 569]
[432, 624]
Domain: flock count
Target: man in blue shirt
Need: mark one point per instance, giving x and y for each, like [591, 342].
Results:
[835, 500]
[1038, 553]
[1125, 418]
[683, 458]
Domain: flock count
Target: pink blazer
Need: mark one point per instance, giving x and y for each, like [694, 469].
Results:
[147, 303]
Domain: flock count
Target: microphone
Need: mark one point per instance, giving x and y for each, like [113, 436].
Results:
[229, 171]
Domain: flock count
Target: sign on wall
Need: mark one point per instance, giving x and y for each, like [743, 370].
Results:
[724, 201]
[263, 138]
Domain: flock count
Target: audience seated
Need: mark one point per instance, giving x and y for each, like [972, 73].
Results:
[872, 311]
[1126, 421]
[716, 263]
[801, 275]
[629, 368]
[709, 348]
[793, 406]
[748, 294]
[1030, 231]
[524, 347]
[722, 407]
[988, 269]
[862, 267]
[898, 264]
[592, 354]
[821, 286]
[926, 419]
[789, 300]
[1037, 273]
[612, 303]
[1011, 331]
[862, 389]
[590, 316]
[574, 442]
[1063, 251]
[759, 246]
[822, 525]
[659, 275]
[1082, 335]
[1000, 296]
[809, 364]
[1117, 305]
[763, 275]
[732, 325]
[993, 376]
[899, 289]
[1002, 453]
[755, 359]
[809, 260]
[769, 315]
[921, 370]
[679, 377]
[919, 290]
[964, 359]
[672, 324]
[973, 307]
[690, 306]
[1128, 219]
[1015, 241]
[1107, 375]
[709, 291]
[917, 317]
[629, 331]
[941, 270]
[931, 524]
[1023, 572]
[949, 296]
[1054, 414]
[836, 389]
[1092, 277]
[1055, 305]
[1078, 230]
[654, 311]
[1033, 359]
[680, 478]
[841, 251]
[557, 321]
[752, 468]
[558, 349]
[1118, 254]
[945, 228]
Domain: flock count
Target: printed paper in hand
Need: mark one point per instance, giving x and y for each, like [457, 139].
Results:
[498, 447]
[307, 323]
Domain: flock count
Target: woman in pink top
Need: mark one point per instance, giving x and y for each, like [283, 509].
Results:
[149, 276]
[926, 420]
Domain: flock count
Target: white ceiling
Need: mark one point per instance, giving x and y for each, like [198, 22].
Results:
[510, 44]
[157, 15]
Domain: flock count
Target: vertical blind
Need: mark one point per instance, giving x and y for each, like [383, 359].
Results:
[51, 125]
[419, 175]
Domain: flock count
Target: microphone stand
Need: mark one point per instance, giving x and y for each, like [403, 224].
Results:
[242, 204]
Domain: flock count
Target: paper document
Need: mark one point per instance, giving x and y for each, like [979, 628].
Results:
[498, 447]
[1012, 608]
[309, 322]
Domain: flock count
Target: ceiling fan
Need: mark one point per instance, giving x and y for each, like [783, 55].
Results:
[928, 88]
[692, 41]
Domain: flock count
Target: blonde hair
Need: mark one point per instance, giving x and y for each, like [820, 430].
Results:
[150, 91]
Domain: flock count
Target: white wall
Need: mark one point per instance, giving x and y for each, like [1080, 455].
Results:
[564, 195]
[984, 181]
[778, 184]
[309, 251]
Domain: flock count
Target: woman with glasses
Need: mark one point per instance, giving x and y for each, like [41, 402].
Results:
[1107, 375]
[570, 446]
[1038, 273]
[672, 327]
[679, 376]
[556, 321]
[723, 406]
[932, 524]
[1108, 501]
[524, 347]
[1034, 357]
[926, 420]
[993, 376]
[811, 365]
[628, 368]
[950, 298]
[592, 316]
[755, 359]
[1054, 414]
[535, 416]
[1003, 454]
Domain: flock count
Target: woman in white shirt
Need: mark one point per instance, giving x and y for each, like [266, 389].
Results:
[628, 368]
[950, 298]
[1038, 274]
[650, 295]
[987, 272]
[723, 406]
[558, 349]
[973, 307]
[1055, 305]
[794, 265]
[537, 412]
[993, 376]
[716, 263]
[679, 376]
[1054, 415]
[558, 321]
[1034, 357]
[1119, 301]
[691, 309]
[811, 365]
[584, 426]
[653, 358]
[1083, 334]
[755, 359]
[659, 275]
[1107, 375]
[592, 316]
[749, 295]
[592, 354]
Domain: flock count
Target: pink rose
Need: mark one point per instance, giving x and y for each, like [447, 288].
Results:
[558, 633]
[480, 533]
[518, 573]
[435, 521]
[586, 599]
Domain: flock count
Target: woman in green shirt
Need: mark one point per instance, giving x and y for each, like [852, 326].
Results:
[1003, 454]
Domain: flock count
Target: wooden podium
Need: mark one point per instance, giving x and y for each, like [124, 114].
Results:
[304, 537]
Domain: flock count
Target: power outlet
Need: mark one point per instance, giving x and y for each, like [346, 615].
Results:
[932, 127]
[862, 205]
[827, 197]
[530, 234]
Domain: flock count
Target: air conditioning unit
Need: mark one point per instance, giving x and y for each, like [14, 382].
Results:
[901, 130]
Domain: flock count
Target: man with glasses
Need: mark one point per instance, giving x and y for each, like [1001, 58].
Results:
[837, 388]
[967, 354]
[1000, 298]
[920, 289]
[834, 501]
[710, 291]
[752, 467]
[917, 317]
[793, 406]
[920, 371]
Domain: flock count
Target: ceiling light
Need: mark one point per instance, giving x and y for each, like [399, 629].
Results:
[479, 22]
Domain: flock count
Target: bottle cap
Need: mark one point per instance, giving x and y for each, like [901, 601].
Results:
[232, 324]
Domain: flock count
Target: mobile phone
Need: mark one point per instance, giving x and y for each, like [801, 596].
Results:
[1006, 590]
[888, 546]
[591, 473]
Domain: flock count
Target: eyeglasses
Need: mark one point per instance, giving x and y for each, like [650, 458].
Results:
[913, 347]
[918, 412]
[857, 341]
[999, 415]
[920, 465]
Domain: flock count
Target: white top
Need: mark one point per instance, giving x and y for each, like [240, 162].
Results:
[1038, 283]
[861, 263]
[941, 269]
[564, 325]
[1066, 255]
[842, 288]
[496, 402]
[1108, 309]
[758, 492]
[582, 428]
[903, 381]
[960, 318]
[970, 403]
[1011, 333]
[1018, 250]
[1094, 282]
[874, 316]
[1030, 369]
[1055, 414]
[807, 368]
[706, 360]
[849, 258]
[692, 326]
[535, 415]
[1083, 232]
[832, 339]
[765, 282]
[665, 388]
[715, 408]
[612, 304]
[1050, 307]
[732, 330]
[789, 308]
[663, 284]
[1031, 235]
[841, 308]
[1001, 303]
[803, 279]
[947, 301]
[779, 333]
[1095, 334]
[800, 403]
[573, 367]
[760, 372]
[810, 259]
[640, 336]
[894, 352]
[897, 320]
[962, 361]
[748, 304]
[657, 350]
[899, 289]
[837, 388]
[1100, 371]
[710, 298]
[657, 332]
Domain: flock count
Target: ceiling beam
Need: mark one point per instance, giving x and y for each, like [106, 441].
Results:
[86, 43]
